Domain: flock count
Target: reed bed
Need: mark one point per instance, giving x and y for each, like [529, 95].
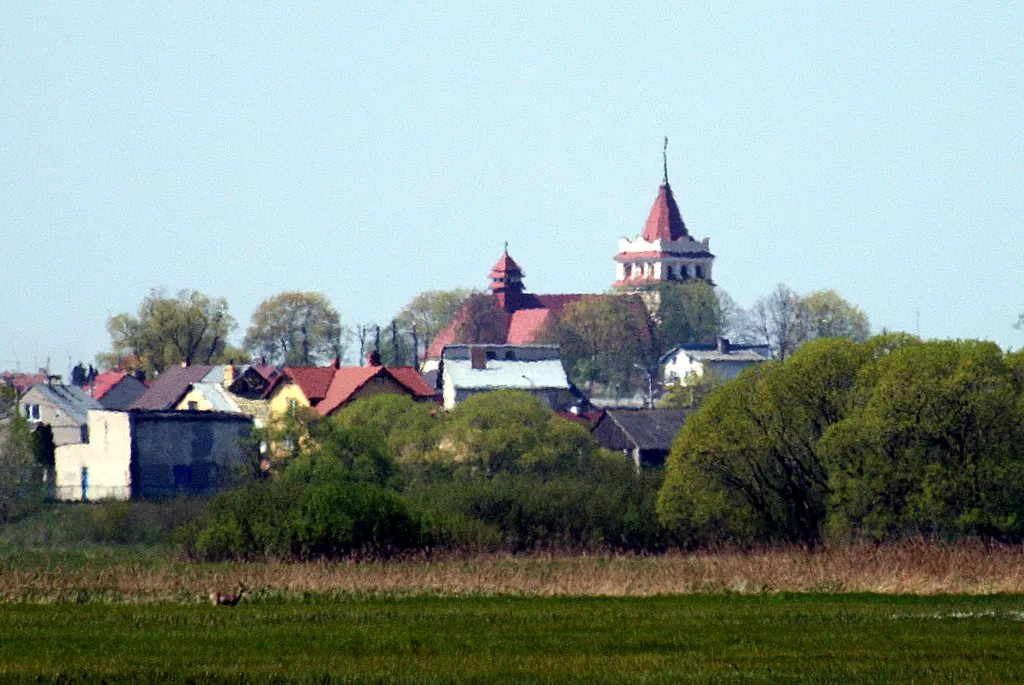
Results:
[918, 568]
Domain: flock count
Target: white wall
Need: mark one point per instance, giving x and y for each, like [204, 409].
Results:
[107, 457]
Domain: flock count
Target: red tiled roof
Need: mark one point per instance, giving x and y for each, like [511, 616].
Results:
[313, 381]
[170, 386]
[412, 380]
[520, 328]
[505, 266]
[665, 222]
[102, 384]
[22, 381]
[348, 379]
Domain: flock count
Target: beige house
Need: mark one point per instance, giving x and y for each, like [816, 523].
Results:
[133, 454]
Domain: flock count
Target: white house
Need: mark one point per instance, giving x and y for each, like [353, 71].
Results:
[724, 360]
[466, 370]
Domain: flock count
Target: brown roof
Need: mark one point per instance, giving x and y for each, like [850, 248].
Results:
[313, 381]
[170, 386]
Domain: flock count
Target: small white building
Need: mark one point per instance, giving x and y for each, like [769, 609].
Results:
[693, 361]
[466, 370]
[141, 453]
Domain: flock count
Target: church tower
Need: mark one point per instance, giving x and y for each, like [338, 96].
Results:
[507, 283]
[665, 251]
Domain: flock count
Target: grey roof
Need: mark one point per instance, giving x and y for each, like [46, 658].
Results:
[649, 429]
[711, 353]
[170, 386]
[522, 375]
[72, 399]
[214, 394]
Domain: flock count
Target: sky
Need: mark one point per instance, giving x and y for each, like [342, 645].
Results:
[372, 151]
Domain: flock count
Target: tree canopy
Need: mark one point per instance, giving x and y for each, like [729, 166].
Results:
[296, 329]
[886, 438]
[189, 327]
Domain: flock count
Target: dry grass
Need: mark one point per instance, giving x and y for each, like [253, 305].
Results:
[908, 568]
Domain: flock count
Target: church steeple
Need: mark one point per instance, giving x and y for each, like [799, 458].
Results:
[665, 250]
[507, 282]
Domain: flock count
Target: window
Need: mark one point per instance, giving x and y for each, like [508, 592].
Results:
[32, 412]
[293, 404]
[510, 355]
[378, 380]
[193, 405]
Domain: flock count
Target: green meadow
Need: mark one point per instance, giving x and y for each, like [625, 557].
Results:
[717, 638]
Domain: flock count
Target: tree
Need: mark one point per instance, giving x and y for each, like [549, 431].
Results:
[480, 321]
[932, 446]
[189, 327]
[687, 312]
[296, 329]
[746, 466]
[431, 311]
[824, 314]
[21, 475]
[784, 320]
[603, 339]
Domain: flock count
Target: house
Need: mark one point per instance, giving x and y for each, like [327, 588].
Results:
[61, 407]
[328, 388]
[466, 370]
[139, 454]
[515, 317]
[644, 435]
[171, 386]
[115, 389]
[723, 361]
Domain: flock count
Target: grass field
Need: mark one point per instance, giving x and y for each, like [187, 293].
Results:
[768, 638]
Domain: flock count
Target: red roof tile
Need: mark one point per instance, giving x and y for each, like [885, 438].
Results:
[665, 222]
[103, 382]
[313, 381]
[506, 266]
[349, 379]
[520, 328]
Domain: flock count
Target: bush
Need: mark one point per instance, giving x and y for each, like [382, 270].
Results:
[297, 520]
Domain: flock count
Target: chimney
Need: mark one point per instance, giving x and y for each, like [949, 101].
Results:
[478, 357]
[373, 359]
[336, 362]
[723, 346]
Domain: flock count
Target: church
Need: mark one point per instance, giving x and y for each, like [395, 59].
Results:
[664, 251]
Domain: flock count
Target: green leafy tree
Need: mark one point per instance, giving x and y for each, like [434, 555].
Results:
[603, 339]
[687, 312]
[410, 428]
[21, 474]
[824, 314]
[431, 311]
[745, 466]
[296, 329]
[512, 431]
[933, 446]
[187, 328]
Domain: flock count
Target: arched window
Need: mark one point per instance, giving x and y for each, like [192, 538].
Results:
[698, 271]
[669, 275]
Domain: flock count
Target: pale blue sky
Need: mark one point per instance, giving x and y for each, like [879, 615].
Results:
[372, 152]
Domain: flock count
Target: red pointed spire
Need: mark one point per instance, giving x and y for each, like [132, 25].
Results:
[507, 282]
[665, 222]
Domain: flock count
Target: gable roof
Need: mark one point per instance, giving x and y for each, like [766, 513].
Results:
[648, 429]
[170, 386]
[71, 399]
[665, 222]
[520, 327]
[712, 352]
[349, 379]
[218, 398]
[21, 381]
[313, 381]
